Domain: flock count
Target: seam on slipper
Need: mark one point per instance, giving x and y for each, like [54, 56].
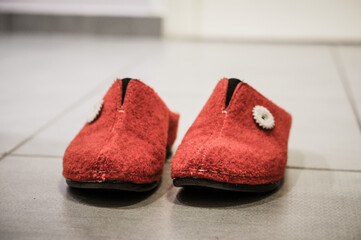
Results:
[208, 141]
[111, 130]
[227, 174]
[201, 147]
[108, 172]
[219, 134]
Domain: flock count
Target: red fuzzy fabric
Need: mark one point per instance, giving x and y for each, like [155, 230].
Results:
[126, 143]
[227, 145]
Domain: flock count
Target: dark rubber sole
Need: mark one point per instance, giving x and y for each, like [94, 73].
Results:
[205, 183]
[117, 185]
[114, 185]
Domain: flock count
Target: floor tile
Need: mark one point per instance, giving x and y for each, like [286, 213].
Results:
[42, 75]
[37, 204]
[350, 57]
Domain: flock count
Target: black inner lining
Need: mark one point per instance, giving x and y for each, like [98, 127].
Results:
[232, 84]
[125, 82]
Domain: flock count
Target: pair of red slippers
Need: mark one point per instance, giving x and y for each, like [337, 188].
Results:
[238, 141]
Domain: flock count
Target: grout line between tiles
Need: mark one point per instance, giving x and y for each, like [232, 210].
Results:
[68, 109]
[323, 169]
[34, 155]
[267, 41]
[345, 82]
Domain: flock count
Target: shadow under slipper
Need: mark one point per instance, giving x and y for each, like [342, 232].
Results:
[108, 198]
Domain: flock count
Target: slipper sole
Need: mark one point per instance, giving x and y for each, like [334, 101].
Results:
[206, 183]
[114, 185]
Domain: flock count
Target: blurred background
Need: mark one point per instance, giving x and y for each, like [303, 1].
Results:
[59, 57]
[320, 21]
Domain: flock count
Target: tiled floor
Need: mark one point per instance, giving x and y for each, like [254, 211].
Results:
[49, 83]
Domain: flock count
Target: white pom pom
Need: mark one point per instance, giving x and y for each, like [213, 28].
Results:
[263, 117]
[96, 111]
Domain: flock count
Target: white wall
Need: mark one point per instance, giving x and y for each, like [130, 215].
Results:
[265, 20]
[231, 20]
[132, 8]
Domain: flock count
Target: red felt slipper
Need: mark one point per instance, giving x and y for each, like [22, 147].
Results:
[123, 145]
[238, 142]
